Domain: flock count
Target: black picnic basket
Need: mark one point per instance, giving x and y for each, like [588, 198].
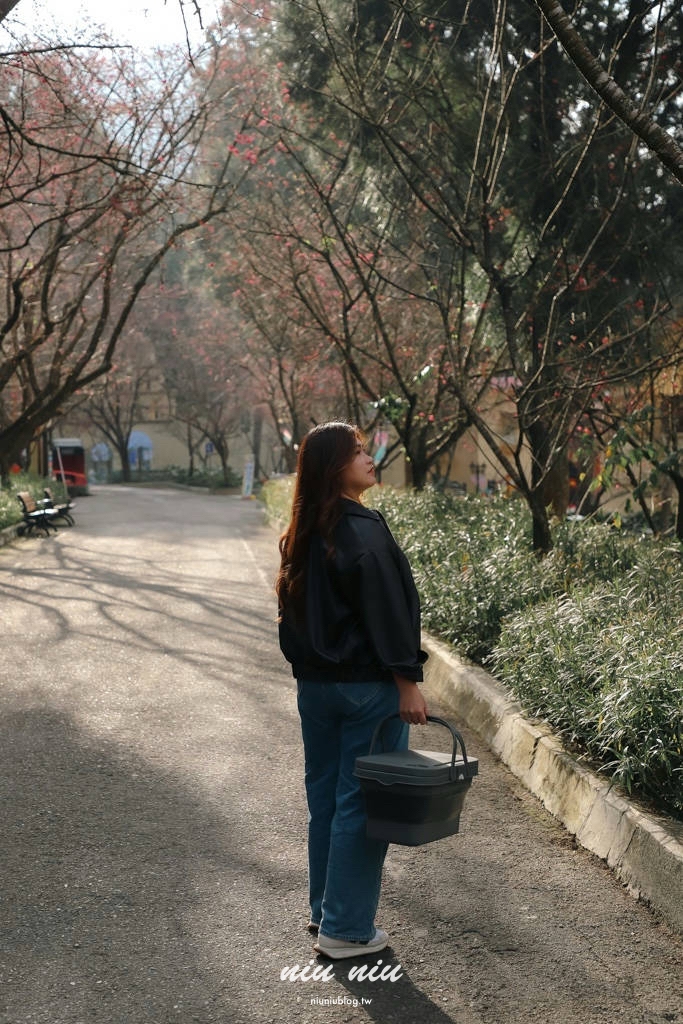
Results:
[414, 797]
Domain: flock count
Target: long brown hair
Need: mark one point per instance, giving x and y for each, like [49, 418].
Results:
[325, 452]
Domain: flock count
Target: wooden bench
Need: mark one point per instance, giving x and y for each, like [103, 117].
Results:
[36, 518]
[61, 508]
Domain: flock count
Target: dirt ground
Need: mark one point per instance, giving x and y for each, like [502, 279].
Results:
[153, 842]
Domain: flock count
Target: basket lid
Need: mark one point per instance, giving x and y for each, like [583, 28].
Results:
[414, 767]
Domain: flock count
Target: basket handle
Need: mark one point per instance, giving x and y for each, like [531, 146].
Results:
[457, 739]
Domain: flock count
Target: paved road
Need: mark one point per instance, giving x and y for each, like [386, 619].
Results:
[152, 848]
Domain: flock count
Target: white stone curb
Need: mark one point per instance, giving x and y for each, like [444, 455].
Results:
[645, 850]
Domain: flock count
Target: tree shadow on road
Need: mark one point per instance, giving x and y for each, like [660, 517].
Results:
[142, 604]
[126, 898]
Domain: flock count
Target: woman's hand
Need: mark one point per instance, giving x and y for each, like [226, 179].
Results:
[412, 706]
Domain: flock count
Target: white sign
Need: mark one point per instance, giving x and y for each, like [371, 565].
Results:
[248, 478]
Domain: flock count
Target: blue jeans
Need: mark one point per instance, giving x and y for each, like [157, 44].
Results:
[344, 866]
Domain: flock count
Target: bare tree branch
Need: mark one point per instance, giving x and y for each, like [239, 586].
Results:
[663, 145]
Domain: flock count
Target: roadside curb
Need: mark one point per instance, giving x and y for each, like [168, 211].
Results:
[643, 849]
[8, 534]
[170, 485]
[156, 485]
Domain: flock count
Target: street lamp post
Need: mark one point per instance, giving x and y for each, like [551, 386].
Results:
[477, 469]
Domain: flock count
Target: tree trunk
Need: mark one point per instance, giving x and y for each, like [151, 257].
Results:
[419, 472]
[640, 498]
[12, 444]
[555, 489]
[257, 434]
[417, 462]
[678, 484]
[190, 449]
[5, 7]
[290, 458]
[546, 490]
[125, 463]
[5, 464]
[223, 452]
[541, 536]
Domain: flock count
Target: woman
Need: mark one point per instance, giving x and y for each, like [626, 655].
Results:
[349, 619]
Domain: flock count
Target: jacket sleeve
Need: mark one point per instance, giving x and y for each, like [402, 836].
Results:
[390, 613]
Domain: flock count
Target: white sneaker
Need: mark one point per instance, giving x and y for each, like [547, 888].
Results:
[339, 949]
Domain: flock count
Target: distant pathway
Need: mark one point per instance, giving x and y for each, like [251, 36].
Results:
[152, 848]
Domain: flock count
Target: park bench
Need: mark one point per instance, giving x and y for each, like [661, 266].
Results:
[36, 518]
[61, 508]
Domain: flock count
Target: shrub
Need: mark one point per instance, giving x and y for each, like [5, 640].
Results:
[276, 495]
[471, 561]
[605, 667]
[212, 478]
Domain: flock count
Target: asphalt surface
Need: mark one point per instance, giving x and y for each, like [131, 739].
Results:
[153, 816]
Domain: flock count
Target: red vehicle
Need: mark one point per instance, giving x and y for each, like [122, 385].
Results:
[68, 464]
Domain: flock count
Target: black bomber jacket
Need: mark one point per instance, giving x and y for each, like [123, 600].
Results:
[362, 612]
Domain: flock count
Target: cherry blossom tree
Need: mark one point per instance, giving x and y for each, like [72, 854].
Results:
[199, 348]
[475, 120]
[191, 7]
[113, 403]
[360, 297]
[103, 171]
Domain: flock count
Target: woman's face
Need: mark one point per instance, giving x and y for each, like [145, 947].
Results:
[359, 474]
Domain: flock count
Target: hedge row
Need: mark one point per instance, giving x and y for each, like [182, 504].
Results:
[212, 478]
[589, 639]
